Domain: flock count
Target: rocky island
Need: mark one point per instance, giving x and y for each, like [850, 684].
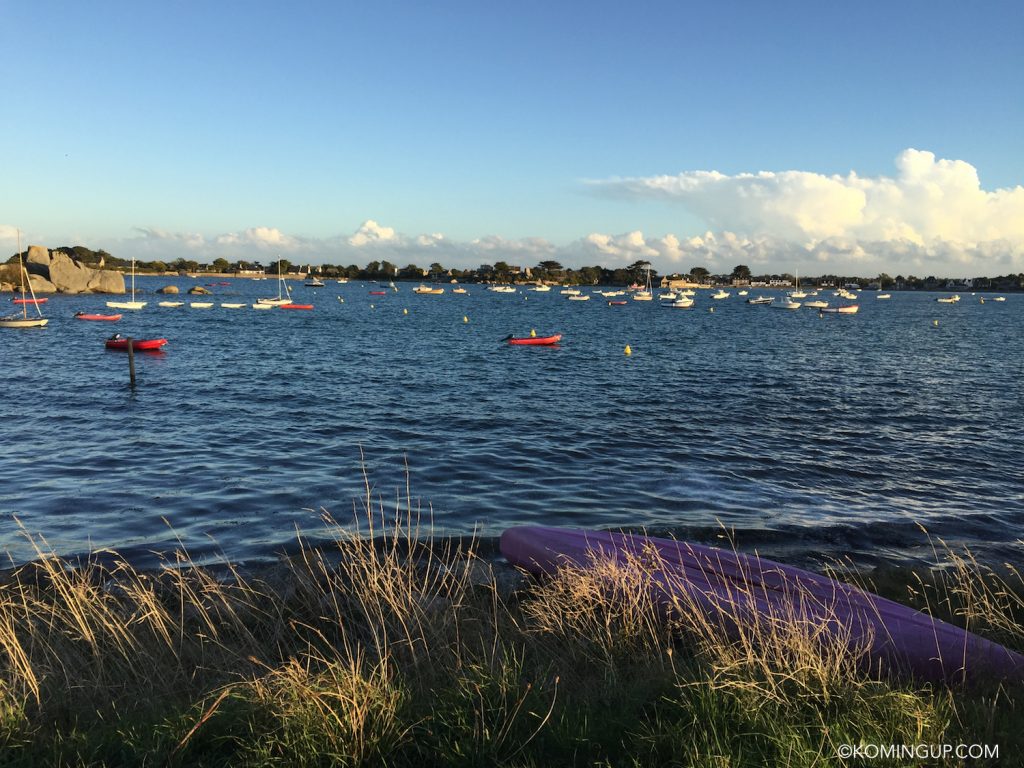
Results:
[57, 272]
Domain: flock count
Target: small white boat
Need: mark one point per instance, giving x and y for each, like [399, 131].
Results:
[742, 293]
[669, 296]
[569, 292]
[760, 300]
[501, 288]
[314, 283]
[683, 302]
[999, 298]
[541, 288]
[341, 280]
[578, 297]
[171, 304]
[816, 304]
[22, 320]
[263, 306]
[458, 290]
[427, 290]
[200, 304]
[883, 296]
[785, 302]
[232, 306]
[133, 304]
[849, 309]
[284, 294]
[948, 299]
[721, 295]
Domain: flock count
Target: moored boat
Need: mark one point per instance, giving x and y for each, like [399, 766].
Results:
[296, 306]
[88, 316]
[119, 342]
[534, 341]
[41, 300]
[23, 320]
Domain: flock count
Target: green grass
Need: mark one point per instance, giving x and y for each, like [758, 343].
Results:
[390, 649]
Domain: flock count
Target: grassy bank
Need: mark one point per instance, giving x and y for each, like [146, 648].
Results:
[385, 650]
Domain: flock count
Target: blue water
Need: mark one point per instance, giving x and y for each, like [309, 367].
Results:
[805, 436]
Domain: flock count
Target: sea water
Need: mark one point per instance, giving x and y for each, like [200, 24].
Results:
[800, 435]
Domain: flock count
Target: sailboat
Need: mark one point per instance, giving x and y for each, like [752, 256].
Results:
[23, 320]
[647, 294]
[284, 294]
[133, 304]
[797, 293]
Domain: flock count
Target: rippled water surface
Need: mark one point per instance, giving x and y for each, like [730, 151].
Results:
[806, 435]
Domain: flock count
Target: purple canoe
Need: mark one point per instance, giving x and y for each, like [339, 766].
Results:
[730, 586]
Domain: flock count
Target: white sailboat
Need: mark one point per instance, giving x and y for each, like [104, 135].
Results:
[133, 304]
[647, 294]
[284, 294]
[796, 293]
[23, 320]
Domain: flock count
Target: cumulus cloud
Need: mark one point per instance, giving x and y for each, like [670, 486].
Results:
[928, 201]
[372, 233]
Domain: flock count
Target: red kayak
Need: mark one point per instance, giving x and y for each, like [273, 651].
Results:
[378, 293]
[535, 340]
[120, 342]
[86, 316]
[296, 306]
[616, 303]
[30, 301]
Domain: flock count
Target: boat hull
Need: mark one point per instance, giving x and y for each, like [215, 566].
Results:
[100, 318]
[737, 589]
[22, 322]
[535, 341]
[143, 345]
[296, 306]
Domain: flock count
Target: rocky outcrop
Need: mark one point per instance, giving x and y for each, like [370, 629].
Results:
[198, 289]
[56, 272]
[168, 289]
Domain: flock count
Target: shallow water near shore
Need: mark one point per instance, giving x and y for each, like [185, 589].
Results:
[808, 436]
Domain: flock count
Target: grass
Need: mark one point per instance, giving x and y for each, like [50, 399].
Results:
[389, 648]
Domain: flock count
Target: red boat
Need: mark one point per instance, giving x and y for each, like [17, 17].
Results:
[30, 301]
[616, 303]
[296, 306]
[378, 293]
[535, 340]
[87, 316]
[117, 341]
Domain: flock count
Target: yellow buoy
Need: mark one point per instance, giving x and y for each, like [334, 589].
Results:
[465, 319]
[371, 306]
[405, 311]
[533, 333]
[935, 322]
[627, 350]
[711, 310]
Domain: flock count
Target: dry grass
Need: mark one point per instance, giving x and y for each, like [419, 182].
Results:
[391, 648]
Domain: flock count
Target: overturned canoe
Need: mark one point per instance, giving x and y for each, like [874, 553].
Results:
[737, 589]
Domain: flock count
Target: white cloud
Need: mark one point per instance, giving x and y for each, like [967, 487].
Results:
[928, 201]
[372, 233]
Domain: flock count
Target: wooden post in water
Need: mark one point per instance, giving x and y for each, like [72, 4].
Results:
[131, 361]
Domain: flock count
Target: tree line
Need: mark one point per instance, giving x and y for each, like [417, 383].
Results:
[503, 272]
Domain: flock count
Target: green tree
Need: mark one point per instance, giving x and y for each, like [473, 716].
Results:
[741, 272]
[699, 274]
[221, 265]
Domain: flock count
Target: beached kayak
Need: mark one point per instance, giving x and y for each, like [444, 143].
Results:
[120, 342]
[87, 316]
[535, 340]
[734, 587]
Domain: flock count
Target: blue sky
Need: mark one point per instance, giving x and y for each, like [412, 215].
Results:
[520, 130]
